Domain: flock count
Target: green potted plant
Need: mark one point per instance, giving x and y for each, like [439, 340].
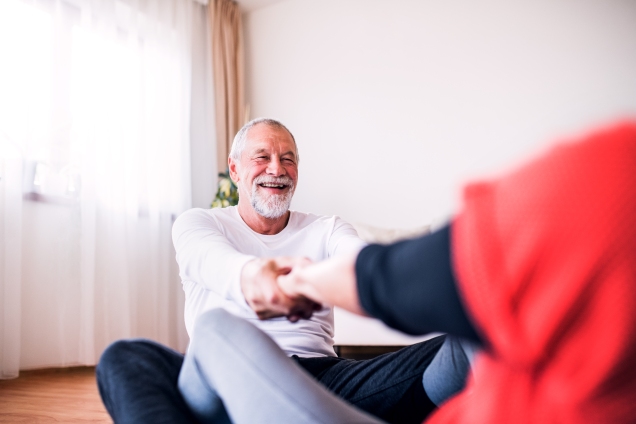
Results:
[227, 194]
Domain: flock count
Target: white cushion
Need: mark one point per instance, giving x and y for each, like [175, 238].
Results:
[372, 234]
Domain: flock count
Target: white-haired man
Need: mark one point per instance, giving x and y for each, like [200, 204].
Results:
[230, 259]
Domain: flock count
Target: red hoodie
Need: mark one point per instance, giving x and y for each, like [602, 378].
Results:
[546, 263]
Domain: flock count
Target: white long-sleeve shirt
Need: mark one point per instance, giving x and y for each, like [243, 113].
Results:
[212, 247]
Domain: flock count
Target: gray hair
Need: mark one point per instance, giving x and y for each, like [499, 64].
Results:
[238, 145]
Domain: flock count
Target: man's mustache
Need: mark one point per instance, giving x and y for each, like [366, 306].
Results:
[285, 181]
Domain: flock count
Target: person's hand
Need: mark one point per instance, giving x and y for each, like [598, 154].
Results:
[293, 283]
[330, 282]
[262, 293]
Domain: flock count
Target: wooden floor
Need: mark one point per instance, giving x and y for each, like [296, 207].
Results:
[66, 395]
[69, 395]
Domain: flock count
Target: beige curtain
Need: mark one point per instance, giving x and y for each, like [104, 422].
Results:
[227, 65]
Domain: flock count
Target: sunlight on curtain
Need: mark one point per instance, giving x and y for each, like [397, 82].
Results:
[95, 111]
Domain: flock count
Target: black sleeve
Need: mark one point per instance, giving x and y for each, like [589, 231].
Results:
[411, 287]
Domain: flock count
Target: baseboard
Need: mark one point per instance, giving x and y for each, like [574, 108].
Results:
[363, 352]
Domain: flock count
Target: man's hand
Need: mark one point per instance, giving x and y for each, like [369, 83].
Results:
[293, 283]
[262, 293]
[330, 282]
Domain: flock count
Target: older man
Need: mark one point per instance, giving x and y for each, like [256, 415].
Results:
[230, 259]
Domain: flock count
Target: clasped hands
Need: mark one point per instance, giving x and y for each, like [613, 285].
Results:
[273, 288]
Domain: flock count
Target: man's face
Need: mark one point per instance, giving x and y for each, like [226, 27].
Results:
[267, 171]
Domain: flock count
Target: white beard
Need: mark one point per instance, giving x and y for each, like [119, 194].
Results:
[275, 205]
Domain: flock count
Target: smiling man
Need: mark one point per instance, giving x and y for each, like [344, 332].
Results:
[269, 172]
[229, 261]
[226, 256]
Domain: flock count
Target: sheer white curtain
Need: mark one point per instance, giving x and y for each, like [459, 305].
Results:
[95, 128]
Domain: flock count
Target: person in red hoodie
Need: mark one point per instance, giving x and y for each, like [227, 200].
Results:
[538, 269]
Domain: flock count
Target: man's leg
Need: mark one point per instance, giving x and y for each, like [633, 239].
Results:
[447, 374]
[230, 359]
[388, 386]
[137, 381]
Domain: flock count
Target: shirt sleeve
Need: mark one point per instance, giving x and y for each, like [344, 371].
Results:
[410, 286]
[206, 257]
[344, 239]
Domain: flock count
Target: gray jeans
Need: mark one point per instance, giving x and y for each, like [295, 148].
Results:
[235, 373]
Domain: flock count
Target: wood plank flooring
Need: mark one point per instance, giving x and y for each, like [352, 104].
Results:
[65, 395]
[69, 395]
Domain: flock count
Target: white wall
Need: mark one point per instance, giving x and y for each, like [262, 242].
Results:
[396, 103]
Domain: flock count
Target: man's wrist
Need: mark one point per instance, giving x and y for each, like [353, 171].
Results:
[248, 275]
[245, 276]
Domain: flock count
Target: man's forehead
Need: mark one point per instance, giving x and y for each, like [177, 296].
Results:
[265, 138]
[264, 131]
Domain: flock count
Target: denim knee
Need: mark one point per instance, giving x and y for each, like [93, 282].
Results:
[130, 359]
[117, 356]
[115, 366]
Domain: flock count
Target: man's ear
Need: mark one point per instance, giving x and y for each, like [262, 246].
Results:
[232, 166]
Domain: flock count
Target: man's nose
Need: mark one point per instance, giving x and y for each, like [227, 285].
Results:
[275, 167]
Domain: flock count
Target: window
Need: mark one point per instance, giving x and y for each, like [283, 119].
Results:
[97, 99]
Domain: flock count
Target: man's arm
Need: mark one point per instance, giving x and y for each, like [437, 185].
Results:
[262, 293]
[410, 285]
[344, 239]
[331, 282]
[206, 257]
[268, 300]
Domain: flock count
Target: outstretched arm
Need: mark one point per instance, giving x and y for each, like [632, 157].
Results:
[265, 297]
[331, 282]
[207, 257]
[410, 285]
